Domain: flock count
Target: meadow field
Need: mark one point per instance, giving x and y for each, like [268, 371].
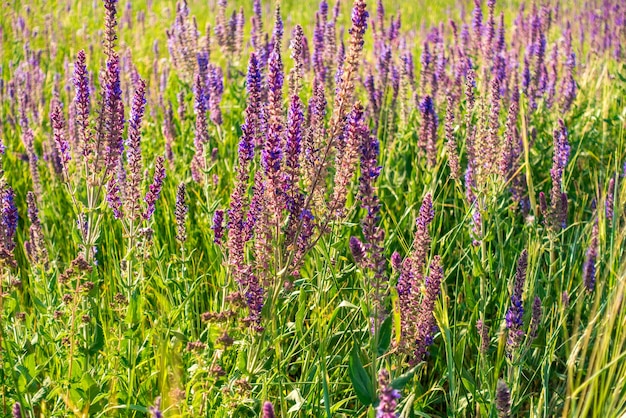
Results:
[344, 208]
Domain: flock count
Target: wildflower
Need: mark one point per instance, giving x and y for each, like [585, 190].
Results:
[503, 400]
[483, 331]
[451, 146]
[8, 220]
[388, 397]
[428, 130]
[133, 153]
[268, 410]
[218, 226]
[201, 137]
[180, 214]
[16, 410]
[589, 266]
[155, 188]
[346, 160]
[514, 316]
[35, 246]
[609, 201]
[61, 143]
[114, 198]
[155, 411]
[426, 325]
[535, 318]
[357, 249]
[215, 91]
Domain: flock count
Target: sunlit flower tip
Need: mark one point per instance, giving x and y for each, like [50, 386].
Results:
[503, 399]
[268, 410]
[358, 249]
[388, 398]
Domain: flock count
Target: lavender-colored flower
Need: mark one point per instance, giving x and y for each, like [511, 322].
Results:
[255, 299]
[568, 84]
[483, 331]
[345, 90]
[155, 188]
[257, 206]
[155, 411]
[503, 400]
[201, 137]
[16, 411]
[357, 249]
[426, 325]
[215, 91]
[346, 160]
[180, 214]
[514, 316]
[218, 226]
[477, 24]
[451, 146]
[110, 23]
[114, 197]
[133, 153]
[557, 214]
[421, 241]
[396, 261]
[35, 246]
[8, 221]
[388, 398]
[428, 130]
[272, 153]
[589, 267]
[535, 319]
[113, 114]
[61, 143]
[255, 111]
[609, 201]
[298, 55]
[293, 145]
[257, 25]
[268, 410]
[279, 29]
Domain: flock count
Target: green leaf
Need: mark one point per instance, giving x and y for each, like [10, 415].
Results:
[361, 381]
[98, 340]
[400, 382]
[384, 336]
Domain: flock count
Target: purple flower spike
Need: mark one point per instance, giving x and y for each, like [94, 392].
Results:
[155, 411]
[388, 397]
[589, 267]
[218, 226]
[268, 410]
[82, 103]
[16, 411]
[8, 219]
[503, 400]
[514, 316]
[133, 153]
[155, 188]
